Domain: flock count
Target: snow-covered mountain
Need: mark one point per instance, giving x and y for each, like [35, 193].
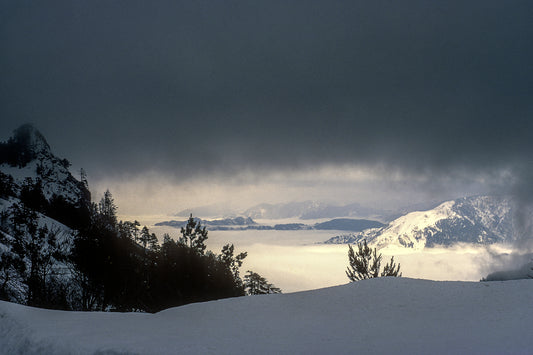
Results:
[304, 210]
[27, 155]
[477, 220]
[40, 204]
[376, 316]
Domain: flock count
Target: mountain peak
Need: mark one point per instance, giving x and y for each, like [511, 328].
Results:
[474, 219]
[27, 155]
[29, 137]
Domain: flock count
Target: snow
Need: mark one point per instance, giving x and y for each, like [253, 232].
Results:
[64, 238]
[55, 177]
[378, 316]
[477, 219]
[407, 230]
[64, 232]
[19, 174]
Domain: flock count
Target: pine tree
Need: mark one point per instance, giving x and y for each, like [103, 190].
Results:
[35, 250]
[107, 210]
[129, 230]
[233, 263]
[391, 269]
[83, 178]
[366, 264]
[153, 243]
[255, 284]
[145, 237]
[194, 236]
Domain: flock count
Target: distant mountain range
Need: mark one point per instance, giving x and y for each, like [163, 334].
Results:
[475, 220]
[247, 223]
[304, 210]
[311, 210]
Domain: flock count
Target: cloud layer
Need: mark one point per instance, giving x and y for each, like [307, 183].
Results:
[195, 88]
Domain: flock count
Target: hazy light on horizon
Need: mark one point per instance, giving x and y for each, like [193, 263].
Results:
[155, 193]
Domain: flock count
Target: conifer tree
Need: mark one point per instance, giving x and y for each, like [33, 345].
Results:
[194, 236]
[145, 237]
[107, 210]
[366, 263]
[153, 243]
[83, 178]
[390, 269]
[35, 249]
[231, 262]
[255, 284]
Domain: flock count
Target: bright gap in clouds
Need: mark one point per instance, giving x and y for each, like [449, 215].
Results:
[156, 193]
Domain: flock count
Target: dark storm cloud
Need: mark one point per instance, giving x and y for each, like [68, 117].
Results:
[191, 87]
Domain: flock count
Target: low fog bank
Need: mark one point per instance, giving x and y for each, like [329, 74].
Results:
[306, 267]
[295, 261]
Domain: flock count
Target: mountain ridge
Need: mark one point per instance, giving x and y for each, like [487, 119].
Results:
[247, 223]
[304, 210]
[474, 219]
[27, 158]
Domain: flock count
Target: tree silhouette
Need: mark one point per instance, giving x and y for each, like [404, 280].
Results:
[194, 236]
[366, 264]
[255, 284]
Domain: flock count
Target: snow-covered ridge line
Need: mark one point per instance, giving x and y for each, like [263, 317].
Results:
[474, 220]
[377, 316]
[41, 164]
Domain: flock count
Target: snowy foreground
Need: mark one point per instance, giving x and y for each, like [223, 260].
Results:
[378, 316]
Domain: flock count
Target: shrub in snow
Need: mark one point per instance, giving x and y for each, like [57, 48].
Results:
[366, 264]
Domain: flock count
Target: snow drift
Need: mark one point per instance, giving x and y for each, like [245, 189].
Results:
[377, 316]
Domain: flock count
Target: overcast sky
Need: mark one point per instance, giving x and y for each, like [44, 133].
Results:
[242, 101]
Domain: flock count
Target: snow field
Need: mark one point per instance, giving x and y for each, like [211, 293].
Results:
[378, 316]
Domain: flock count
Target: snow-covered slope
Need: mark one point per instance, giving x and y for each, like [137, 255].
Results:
[37, 191]
[15, 287]
[377, 316]
[64, 233]
[35, 160]
[478, 220]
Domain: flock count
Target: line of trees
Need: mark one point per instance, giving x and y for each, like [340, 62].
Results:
[104, 264]
[112, 265]
[124, 268]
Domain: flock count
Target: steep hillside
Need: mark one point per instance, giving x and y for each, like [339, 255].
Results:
[41, 204]
[40, 252]
[477, 220]
[30, 172]
[28, 155]
[101, 263]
